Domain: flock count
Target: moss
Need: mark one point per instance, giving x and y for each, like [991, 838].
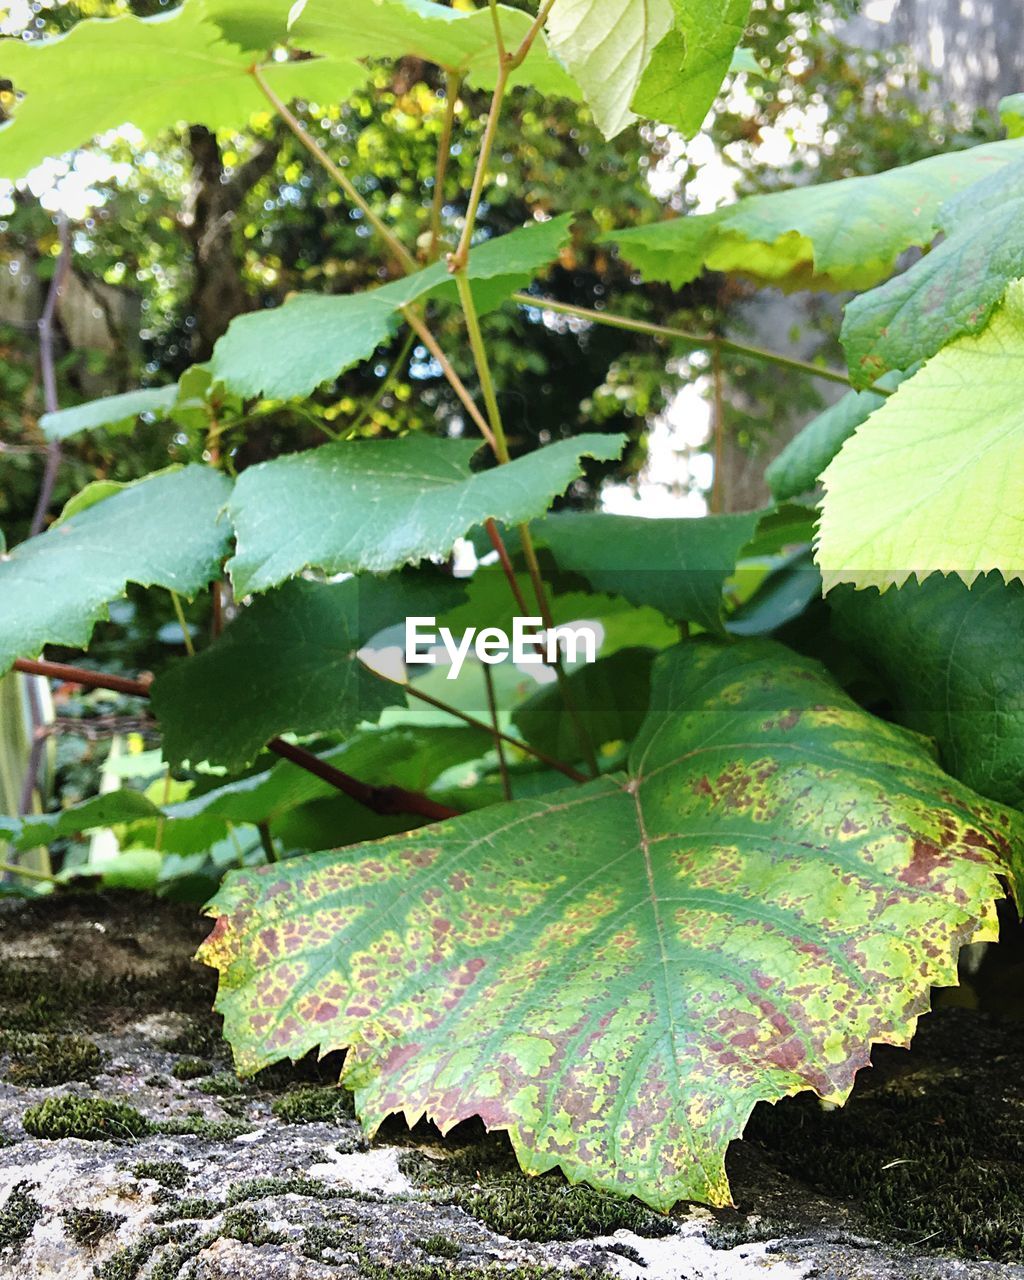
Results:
[18, 1215]
[436, 1271]
[69, 1116]
[222, 1085]
[440, 1246]
[245, 1224]
[169, 1173]
[306, 1106]
[260, 1188]
[37, 1059]
[198, 1126]
[189, 1207]
[487, 1183]
[190, 1068]
[197, 1038]
[931, 1162]
[323, 1244]
[88, 1227]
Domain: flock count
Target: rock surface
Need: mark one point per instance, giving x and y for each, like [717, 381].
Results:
[192, 1175]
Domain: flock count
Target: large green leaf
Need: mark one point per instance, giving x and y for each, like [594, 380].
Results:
[150, 72]
[952, 290]
[375, 505]
[798, 466]
[951, 659]
[932, 480]
[677, 566]
[288, 664]
[109, 411]
[166, 531]
[617, 973]
[688, 66]
[290, 350]
[461, 41]
[839, 235]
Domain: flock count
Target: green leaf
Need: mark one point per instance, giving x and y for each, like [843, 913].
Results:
[1011, 112]
[677, 566]
[836, 235]
[607, 46]
[951, 291]
[610, 697]
[797, 468]
[949, 658]
[112, 412]
[618, 972]
[153, 73]
[688, 66]
[165, 531]
[930, 482]
[462, 42]
[111, 809]
[290, 350]
[375, 505]
[288, 664]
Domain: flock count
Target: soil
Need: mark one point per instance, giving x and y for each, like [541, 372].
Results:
[130, 1151]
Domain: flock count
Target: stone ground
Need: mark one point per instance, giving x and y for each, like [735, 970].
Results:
[128, 1150]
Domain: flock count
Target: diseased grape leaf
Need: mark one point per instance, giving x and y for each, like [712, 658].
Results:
[950, 291]
[618, 972]
[797, 468]
[834, 235]
[375, 505]
[677, 566]
[287, 664]
[932, 480]
[951, 660]
[165, 531]
[153, 73]
[290, 350]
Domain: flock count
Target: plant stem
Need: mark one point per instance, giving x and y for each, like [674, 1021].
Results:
[709, 340]
[718, 429]
[380, 799]
[492, 707]
[498, 543]
[12, 869]
[532, 34]
[397, 365]
[179, 613]
[454, 381]
[452, 83]
[267, 841]
[401, 253]
[48, 370]
[483, 367]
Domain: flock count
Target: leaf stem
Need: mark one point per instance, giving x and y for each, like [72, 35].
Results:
[267, 841]
[401, 253]
[708, 340]
[460, 257]
[492, 707]
[179, 612]
[370, 407]
[12, 869]
[483, 366]
[718, 429]
[453, 83]
[447, 368]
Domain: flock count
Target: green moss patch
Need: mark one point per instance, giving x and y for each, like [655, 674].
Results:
[169, 1173]
[190, 1068]
[96, 1119]
[88, 1227]
[48, 1059]
[18, 1215]
[306, 1106]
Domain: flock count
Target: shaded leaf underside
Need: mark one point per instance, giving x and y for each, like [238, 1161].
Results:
[617, 973]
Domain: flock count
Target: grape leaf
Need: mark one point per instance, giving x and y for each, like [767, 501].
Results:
[111, 412]
[153, 73]
[1011, 112]
[288, 664]
[677, 566]
[798, 466]
[106, 810]
[164, 531]
[688, 66]
[835, 235]
[461, 41]
[290, 350]
[930, 482]
[375, 505]
[951, 660]
[952, 290]
[617, 973]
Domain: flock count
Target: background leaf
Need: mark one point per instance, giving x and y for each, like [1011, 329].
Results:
[616, 973]
[165, 531]
[375, 505]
